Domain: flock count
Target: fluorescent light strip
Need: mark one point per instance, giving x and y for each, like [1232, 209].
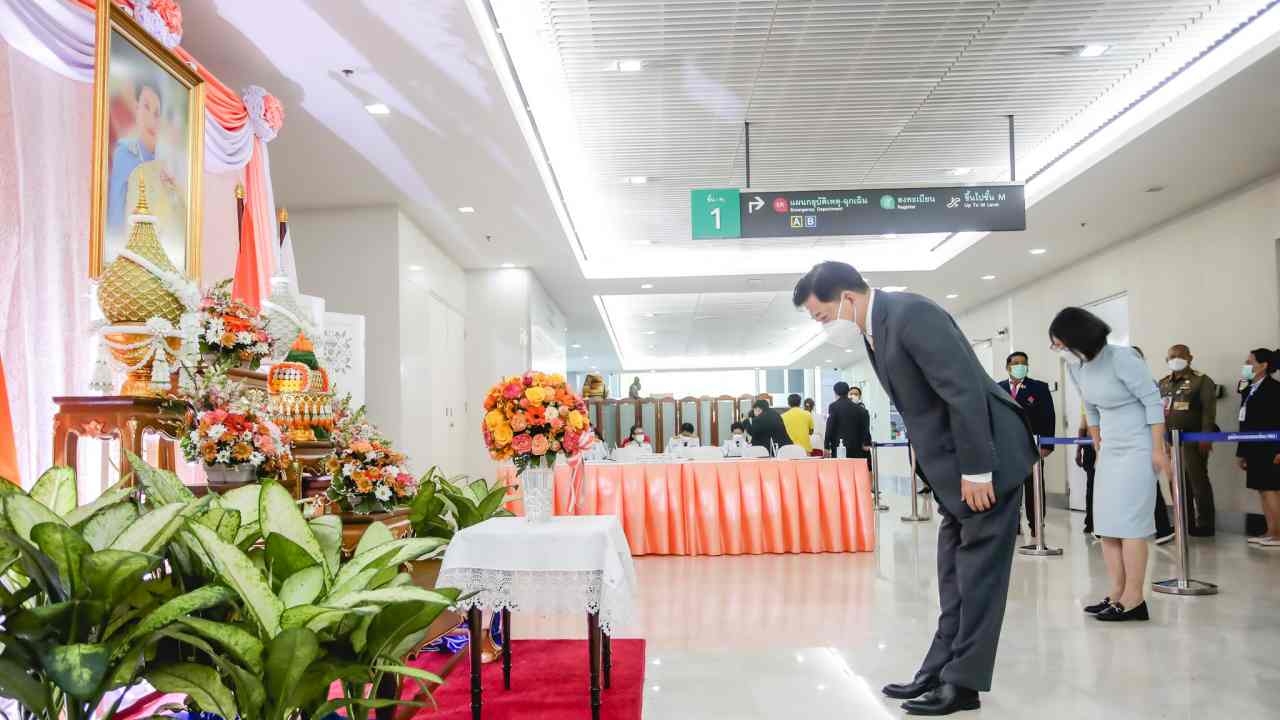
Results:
[608, 326]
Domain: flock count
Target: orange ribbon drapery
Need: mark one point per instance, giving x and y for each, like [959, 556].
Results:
[8, 448]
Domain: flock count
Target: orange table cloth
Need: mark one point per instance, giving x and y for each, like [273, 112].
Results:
[734, 507]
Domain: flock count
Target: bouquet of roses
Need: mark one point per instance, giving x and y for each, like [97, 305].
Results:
[365, 474]
[532, 418]
[237, 436]
[231, 331]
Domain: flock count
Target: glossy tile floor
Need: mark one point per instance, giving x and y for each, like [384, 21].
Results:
[815, 636]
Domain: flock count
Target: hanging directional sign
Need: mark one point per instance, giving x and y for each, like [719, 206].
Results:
[715, 213]
[877, 211]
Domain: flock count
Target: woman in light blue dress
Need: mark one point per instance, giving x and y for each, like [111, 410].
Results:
[1126, 422]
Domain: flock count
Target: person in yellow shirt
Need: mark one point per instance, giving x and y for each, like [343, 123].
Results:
[799, 423]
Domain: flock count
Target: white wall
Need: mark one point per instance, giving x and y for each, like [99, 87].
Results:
[1207, 279]
[325, 243]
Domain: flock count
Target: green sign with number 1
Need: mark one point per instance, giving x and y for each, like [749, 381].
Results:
[715, 213]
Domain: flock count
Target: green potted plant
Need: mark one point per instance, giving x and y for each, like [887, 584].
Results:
[444, 506]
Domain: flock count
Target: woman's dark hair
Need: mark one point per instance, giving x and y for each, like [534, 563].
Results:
[761, 404]
[1269, 357]
[1081, 331]
[596, 430]
[737, 426]
[634, 428]
[826, 281]
[686, 427]
[793, 400]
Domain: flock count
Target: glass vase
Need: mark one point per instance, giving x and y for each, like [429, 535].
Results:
[538, 489]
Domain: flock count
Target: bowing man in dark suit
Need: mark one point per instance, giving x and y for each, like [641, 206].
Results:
[1037, 402]
[848, 422]
[973, 442]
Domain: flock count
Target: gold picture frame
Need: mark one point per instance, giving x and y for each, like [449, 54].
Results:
[145, 100]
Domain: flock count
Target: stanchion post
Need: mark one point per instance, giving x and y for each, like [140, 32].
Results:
[875, 478]
[1182, 584]
[915, 515]
[1038, 548]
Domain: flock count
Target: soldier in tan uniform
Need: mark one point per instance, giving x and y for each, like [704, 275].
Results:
[1190, 405]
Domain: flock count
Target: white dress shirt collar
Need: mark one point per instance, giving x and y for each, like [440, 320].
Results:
[871, 301]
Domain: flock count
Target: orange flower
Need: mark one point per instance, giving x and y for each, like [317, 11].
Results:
[519, 422]
[241, 451]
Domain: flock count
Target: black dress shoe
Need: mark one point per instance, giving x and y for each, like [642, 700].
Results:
[1098, 607]
[943, 700]
[1117, 613]
[911, 690]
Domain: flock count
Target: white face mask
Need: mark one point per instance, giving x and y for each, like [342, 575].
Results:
[638, 438]
[841, 332]
[856, 399]
[1246, 372]
[1177, 364]
[1069, 357]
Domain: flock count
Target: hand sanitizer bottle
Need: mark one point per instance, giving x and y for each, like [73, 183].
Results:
[841, 452]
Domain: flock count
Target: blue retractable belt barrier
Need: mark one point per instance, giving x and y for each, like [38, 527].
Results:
[1235, 437]
[1065, 441]
[892, 443]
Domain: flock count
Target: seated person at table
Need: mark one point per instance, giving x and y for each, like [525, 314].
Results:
[766, 428]
[799, 423]
[638, 438]
[686, 439]
[737, 443]
[598, 450]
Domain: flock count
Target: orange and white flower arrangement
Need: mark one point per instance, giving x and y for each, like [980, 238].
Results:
[532, 419]
[232, 331]
[237, 437]
[365, 474]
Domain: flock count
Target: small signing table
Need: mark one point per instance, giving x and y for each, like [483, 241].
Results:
[564, 565]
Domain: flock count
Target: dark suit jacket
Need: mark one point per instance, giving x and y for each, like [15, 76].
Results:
[768, 426]
[1037, 403]
[1264, 414]
[850, 422]
[960, 422]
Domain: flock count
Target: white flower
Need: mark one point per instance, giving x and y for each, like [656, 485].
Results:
[349, 469]
[382, 492]
[391, 471]
[373, 455]
[256, 459]
[244, 337]
[217, 431]
[224, 456]
[552, 413]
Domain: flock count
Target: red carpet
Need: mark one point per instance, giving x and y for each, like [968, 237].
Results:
[549, 681]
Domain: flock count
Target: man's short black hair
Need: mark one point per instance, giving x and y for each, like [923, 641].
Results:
[826, 281]
[686, 427]
[1081, 331]
[841, 388]
[761, 404]
[737, 426]
[793, 400]
[1017, 353]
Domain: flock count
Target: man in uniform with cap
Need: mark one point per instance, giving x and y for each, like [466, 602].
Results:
[1190, 405]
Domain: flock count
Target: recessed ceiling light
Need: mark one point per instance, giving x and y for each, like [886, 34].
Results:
[961, 170]
[953, 296]
[651, 315]
[635, 180]
[829, 361]
[466, 209]
[595, 367]
[377, 109]
[508, 265]
[650, 332]
[1037, 251]
[628, 65]
[646, 286]
[849, 350]
[1093, 50]
[1155, 188]
[894, 288]
[575, 346]
[415, 268]
[988, 277]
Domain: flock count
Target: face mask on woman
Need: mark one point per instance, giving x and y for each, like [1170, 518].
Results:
[1069, 357]
[1246, 372]
[638, 437]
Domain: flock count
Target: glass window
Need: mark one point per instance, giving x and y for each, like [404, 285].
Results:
[773, 382]
[795, 381]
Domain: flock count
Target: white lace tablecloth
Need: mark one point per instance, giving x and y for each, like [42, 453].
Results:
[569, 564]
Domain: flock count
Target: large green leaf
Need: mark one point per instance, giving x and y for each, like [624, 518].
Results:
[104, 526]
[152, 531]
[400, 623]
[78, 669]
[375, 535]
[365, 705]
[23, 513]
[222, 520]
[237, 571]
[318, 619]
[56, 489]
[125, 670]
[37, 623]
[251, 694]
[65, 548]
[111, 575]
[278, 513]
[162, 486]
[242, 645]
[405, 550]
[386, 596]
[105, 500]
[492, 502]
[289, 654]
[245, 500]
[285, 557]
[176, 609]
[200, 683]
[302, 587]
[328, 532]
[41, 574]
[17, 684]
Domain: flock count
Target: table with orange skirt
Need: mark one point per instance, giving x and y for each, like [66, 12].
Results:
[729, 507]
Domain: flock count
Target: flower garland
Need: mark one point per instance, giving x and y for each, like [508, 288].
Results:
[266, 114]
[162, 19]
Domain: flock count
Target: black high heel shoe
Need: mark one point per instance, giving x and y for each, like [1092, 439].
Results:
[1098, 607]
[1117, 613]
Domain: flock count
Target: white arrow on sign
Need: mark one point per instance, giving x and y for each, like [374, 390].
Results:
[756, 203]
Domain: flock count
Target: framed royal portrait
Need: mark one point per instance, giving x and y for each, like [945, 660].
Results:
[148, 132]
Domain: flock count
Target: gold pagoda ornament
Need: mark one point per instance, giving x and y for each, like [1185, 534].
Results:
[299, 397]
[130, 292]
